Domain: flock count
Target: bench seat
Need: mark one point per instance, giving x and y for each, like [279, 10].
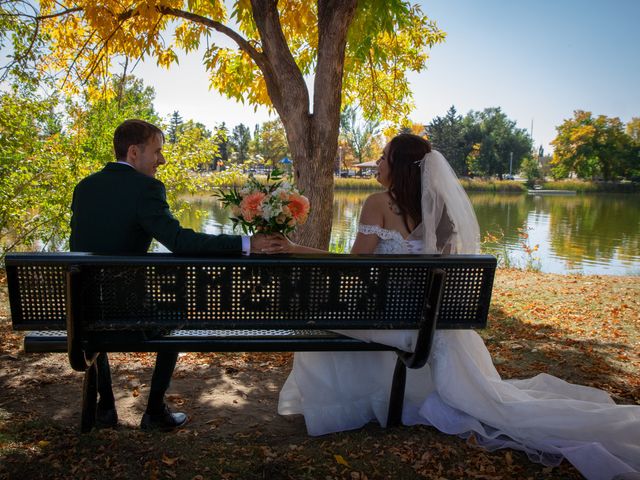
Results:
[55, 341]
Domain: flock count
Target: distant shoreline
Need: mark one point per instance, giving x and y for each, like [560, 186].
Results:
[493, 185]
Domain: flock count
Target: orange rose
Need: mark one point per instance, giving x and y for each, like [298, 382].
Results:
[251, 205]
[299, 207]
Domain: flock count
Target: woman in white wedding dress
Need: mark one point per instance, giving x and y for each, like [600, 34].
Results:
[459, 391]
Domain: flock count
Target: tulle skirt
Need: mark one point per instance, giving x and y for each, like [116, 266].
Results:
[460, 392]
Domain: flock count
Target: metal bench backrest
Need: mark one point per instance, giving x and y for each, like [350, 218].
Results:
[319, 291]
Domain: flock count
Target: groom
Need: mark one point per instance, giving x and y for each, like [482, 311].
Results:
[118, 210]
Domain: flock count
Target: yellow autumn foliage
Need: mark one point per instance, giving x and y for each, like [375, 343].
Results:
[89, 38]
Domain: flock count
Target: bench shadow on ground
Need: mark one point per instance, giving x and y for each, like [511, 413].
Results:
[229, 392]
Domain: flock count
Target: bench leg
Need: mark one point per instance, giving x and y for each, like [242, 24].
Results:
[396, 398]
[89, 398]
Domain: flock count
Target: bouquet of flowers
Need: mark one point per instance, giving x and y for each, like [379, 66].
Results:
[272, 207]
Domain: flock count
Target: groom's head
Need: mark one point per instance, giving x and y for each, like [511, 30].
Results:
[139, 143]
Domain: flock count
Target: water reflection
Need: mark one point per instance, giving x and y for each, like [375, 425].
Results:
[598, 233]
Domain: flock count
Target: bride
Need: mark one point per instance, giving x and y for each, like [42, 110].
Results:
[425, 210]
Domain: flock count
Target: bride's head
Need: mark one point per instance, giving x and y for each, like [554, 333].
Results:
[399, 172]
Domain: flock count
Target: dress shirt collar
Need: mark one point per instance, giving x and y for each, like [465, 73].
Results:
[126, 163]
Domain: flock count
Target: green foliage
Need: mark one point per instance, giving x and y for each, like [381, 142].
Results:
[447, 135]
[43, 157]
[485, 143]
[359, 136]
[35, 174]
[497, 143]
[175, 126]
[594, 147]
[93, 121]
[221, 136]
[633, 130]
[239, 143]
[194, 151]
[531, 170]
[270, 142]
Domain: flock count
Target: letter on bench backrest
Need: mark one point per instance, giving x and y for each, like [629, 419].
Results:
[173, 296]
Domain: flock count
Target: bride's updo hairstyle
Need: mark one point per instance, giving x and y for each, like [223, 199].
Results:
[404, 155]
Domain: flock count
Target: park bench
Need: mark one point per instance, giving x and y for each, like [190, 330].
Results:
[81, 303]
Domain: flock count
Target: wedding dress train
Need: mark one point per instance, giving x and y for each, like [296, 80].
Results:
[460, 392]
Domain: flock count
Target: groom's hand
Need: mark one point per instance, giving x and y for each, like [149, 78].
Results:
[268, 243]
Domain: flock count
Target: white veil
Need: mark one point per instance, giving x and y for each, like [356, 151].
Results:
[455, 232]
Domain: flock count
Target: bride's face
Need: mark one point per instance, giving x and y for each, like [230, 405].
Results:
[384, 171]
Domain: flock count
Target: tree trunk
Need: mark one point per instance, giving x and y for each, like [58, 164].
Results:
[314, 175]
[312, 137]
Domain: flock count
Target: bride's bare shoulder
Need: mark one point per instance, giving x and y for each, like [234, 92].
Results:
[372, 212]
[377, 199]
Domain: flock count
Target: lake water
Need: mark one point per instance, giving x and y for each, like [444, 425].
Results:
[590, 233]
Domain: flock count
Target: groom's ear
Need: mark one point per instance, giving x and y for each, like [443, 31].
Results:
[132, 152]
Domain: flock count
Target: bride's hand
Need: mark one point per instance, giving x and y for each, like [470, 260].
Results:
[287, 246]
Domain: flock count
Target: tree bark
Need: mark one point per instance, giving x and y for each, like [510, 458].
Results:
[312, 137]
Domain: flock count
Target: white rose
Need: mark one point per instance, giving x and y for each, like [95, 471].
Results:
[267, 211]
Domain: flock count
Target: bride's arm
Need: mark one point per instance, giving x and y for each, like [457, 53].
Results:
[371, 214]
[295, 248]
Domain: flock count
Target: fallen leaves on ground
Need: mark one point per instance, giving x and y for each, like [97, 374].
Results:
[585, 329]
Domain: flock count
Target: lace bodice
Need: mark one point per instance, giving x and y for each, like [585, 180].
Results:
[391, 241]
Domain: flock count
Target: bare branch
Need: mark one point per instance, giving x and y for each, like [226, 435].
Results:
[60, 14]
[6, 69]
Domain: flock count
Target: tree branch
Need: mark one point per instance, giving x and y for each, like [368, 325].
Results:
[59, 14]
[242, 43]
[285, 83]
[334, 19]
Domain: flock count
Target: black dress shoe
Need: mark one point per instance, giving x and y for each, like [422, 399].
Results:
[106, 418]
[165, 421]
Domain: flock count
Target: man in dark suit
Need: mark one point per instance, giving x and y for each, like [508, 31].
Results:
[118, 210]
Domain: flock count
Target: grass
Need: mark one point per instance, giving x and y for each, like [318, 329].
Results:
[356, 184]
[492, 185]
[233, 178]
[585, 186]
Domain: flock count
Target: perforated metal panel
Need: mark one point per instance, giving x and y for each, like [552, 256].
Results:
[166, 292]
[38, 296]
[464, 300]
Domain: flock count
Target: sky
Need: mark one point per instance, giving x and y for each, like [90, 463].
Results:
[539, 60]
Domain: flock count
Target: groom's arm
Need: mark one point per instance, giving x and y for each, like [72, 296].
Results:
[155, 217]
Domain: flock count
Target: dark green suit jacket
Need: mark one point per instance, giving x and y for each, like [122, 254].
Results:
[118, 210]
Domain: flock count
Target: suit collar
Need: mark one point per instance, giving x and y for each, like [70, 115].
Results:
[118, 167]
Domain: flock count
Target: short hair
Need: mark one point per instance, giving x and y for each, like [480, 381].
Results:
[132, 132]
